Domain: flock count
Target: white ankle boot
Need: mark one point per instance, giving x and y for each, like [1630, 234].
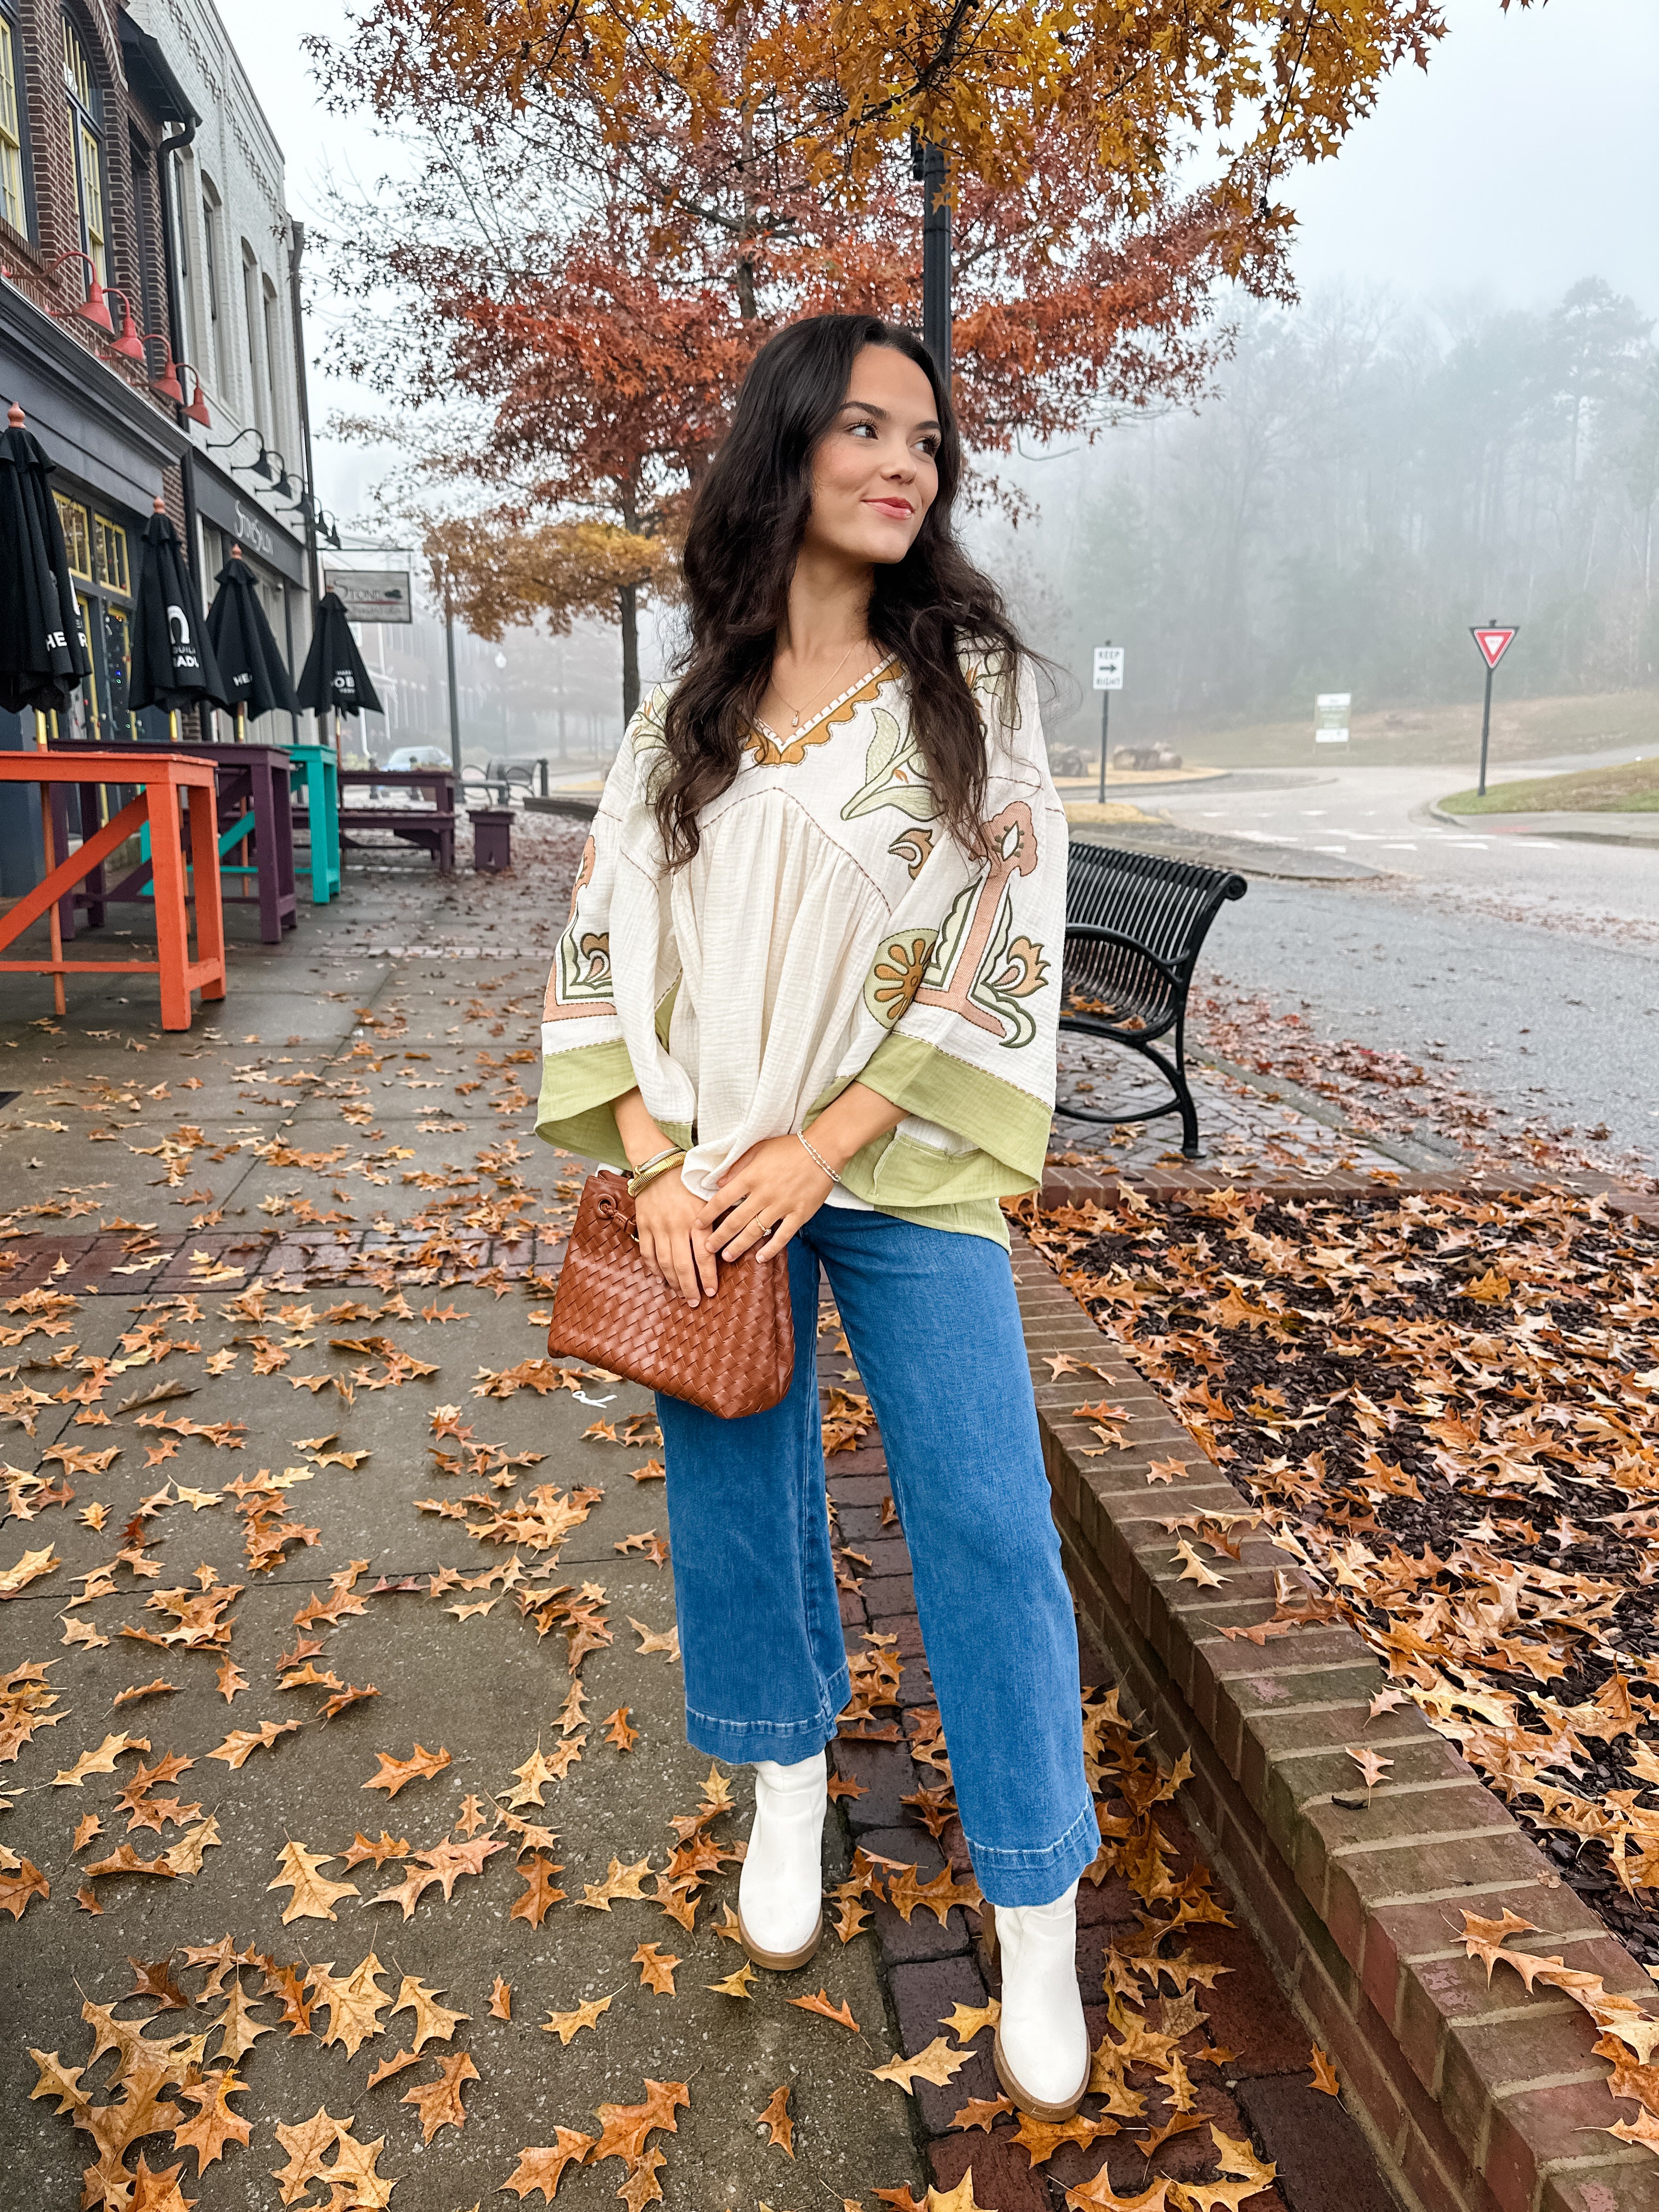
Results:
[780, 1889]
[1041, 2049]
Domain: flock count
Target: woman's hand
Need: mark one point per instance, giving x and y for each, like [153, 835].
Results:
[674, 1238]
[770, 1191]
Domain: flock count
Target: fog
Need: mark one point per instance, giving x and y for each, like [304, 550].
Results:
[1369, 479]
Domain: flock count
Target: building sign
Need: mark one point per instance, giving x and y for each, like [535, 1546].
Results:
[1331, 718]
[372, 595]
[261, 535]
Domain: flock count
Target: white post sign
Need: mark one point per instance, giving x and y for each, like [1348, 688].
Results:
[1331, 718]
[1109, 668]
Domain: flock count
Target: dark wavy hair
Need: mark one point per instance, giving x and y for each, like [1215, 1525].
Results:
[746, 529]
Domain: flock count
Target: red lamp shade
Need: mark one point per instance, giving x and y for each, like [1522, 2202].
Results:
[130, 345]
[166, 385]
[197, 409]
[93, 309]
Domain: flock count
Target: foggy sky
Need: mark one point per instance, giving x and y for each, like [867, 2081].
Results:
[1522, 161]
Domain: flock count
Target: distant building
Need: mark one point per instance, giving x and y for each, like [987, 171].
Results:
[138, 174]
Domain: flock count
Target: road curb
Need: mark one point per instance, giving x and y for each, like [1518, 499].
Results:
[1469, 823]
[1474, 2100]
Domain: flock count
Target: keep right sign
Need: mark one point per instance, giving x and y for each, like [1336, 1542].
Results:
[1493, 643]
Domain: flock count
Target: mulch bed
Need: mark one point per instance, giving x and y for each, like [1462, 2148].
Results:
[1448, 1408]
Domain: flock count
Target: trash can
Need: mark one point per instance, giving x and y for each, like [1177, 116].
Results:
[492, 838]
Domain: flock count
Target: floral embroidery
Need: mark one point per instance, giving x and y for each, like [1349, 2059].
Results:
[580, 981]
[974, 942]
[895, 774]
[897, 972]
[770, 751]
[912, 846]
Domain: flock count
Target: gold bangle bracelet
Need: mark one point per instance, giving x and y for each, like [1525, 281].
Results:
[649, 1173]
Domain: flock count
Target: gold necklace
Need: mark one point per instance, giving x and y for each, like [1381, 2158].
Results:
[795, 712]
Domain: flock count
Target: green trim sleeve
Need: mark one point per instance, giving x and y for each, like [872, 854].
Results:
[577, 1107]
[1008, 1127]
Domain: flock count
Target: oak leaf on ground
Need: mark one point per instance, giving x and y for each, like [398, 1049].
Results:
[626, 2127]
[841, 2015]
[938, 2063]
[656, 1969]
[394, 1773]
[540, 1895]
[564, 2025]
[215, 2124]
[355, 2002]
[542, 2168]
[775, 2116]
[439, 2101]
[315, 1896]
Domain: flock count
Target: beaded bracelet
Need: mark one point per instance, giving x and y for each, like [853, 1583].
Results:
[834, 1174]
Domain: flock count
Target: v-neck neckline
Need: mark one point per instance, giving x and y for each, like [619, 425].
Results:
[795, 737]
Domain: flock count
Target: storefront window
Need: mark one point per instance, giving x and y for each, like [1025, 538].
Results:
[99, 557]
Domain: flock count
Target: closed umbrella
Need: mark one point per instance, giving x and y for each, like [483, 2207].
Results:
[334, 677]
[251, 662]
[174, 664]
[43, 646]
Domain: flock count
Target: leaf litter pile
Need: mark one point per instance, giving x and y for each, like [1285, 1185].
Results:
[1447, 1409]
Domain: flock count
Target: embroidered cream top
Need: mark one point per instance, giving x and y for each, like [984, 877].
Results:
[829, 927]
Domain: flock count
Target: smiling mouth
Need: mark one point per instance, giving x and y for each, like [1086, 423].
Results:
[900, 509]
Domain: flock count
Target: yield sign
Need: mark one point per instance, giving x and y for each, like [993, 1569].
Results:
[1493, 643]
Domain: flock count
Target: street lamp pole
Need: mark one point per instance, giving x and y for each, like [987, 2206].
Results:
[454, 695]
[928, 164]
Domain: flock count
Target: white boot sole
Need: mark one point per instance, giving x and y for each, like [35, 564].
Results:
[779, 1962]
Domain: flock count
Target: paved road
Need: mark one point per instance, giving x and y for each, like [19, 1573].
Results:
[1379, 815]
[1529, 966]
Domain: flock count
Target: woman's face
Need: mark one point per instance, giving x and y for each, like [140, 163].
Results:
[874, 473]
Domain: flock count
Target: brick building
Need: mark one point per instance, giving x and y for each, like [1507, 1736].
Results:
[138, 174]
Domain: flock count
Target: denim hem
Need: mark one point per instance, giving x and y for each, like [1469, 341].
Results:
[741, 1743]
[1036, 1877]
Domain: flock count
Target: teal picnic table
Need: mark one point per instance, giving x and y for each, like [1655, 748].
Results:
[321, 819]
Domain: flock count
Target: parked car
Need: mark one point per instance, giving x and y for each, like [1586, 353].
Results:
[1145, 757]
[406, 757]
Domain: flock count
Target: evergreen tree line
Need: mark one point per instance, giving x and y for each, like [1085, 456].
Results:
[1364, 481]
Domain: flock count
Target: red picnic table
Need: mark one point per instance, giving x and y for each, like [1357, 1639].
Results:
[164, 779]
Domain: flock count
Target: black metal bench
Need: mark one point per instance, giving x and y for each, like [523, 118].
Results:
[1134, 926]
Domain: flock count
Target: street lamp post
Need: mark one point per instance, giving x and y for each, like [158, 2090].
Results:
[928, 164]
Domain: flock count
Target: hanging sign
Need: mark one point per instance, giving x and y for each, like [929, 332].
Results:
[1109, 668]
[372, 595]
[1493, 643]
[1331, 717]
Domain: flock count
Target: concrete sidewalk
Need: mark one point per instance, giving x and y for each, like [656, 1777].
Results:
[324, 1593]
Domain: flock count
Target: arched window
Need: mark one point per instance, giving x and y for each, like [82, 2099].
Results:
[14, 198]
[86, 113]
[253, 309]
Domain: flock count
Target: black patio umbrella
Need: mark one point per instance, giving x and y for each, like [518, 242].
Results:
[174, 664]
[43, 646]
[334, 678]
[250, 660]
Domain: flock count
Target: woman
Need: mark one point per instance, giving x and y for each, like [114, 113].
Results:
[808, 992]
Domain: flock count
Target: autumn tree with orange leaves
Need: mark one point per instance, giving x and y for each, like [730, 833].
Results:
[619, 204]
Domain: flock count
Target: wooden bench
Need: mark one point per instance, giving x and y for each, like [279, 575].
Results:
[1134, 926]
[433, 826]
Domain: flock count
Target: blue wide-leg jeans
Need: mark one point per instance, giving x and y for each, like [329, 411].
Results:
[933, 1324]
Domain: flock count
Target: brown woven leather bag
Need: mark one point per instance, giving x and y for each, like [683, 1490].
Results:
[732, 1354]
